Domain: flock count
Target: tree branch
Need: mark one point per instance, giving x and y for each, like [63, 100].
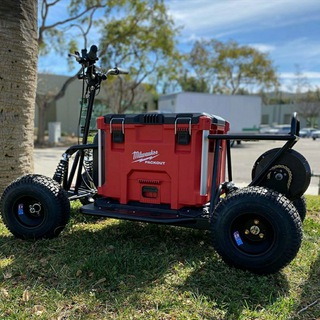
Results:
[44, 14]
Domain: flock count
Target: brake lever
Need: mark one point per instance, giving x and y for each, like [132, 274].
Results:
[75, 55]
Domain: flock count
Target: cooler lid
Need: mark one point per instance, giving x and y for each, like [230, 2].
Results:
[162, 118]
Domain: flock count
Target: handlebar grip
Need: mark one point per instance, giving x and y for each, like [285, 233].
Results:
[92, 54]
[116, 71]
[122, 71]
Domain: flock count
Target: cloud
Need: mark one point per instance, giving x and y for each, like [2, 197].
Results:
[302, 51]
[310, 81]
[309, 75]
[226, 16]
[279, 27]
[262, 47]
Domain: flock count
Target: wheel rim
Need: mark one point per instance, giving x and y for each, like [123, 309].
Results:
[29, 211]
[252, 234]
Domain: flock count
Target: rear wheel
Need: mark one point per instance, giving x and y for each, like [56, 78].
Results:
[289, 175]
[35, 207]
[301, 206]
[256, 229]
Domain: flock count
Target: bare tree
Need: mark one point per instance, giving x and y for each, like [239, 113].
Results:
[300, 84]
[306, 100]
[51, 32]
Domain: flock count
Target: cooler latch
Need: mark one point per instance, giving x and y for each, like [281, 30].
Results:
[117, 130]
[182, 130]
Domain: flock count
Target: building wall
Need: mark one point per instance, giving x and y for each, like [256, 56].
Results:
[242, 112]
[225, 105]
[67, 109]
[280, 114]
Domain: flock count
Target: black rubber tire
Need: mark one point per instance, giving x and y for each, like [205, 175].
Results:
[35, 207]
[301, 206]
[256, 229]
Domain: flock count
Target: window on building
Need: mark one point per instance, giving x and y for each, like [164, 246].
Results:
[265, 119]
[287, 118]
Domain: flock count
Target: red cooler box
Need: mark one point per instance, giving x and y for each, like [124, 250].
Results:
[159, 158]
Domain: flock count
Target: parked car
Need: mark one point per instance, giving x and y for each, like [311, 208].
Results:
[283, 129]
[268, 130]
[277, 129]
[306, 132]
[315, 134]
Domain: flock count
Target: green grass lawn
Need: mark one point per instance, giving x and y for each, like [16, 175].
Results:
[110, 269]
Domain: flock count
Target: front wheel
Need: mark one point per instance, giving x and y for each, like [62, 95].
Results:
[35, 207]
[256, 229]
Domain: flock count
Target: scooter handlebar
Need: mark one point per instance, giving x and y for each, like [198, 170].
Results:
[116, 71]
[89, 59]
[86, 57]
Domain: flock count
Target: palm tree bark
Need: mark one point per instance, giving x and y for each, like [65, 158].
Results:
[18, 75]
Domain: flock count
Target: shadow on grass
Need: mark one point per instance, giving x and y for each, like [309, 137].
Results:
[127, 263]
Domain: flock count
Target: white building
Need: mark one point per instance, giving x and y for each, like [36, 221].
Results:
[242, 112]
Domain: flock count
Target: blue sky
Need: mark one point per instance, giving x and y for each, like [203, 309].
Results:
[288, 30]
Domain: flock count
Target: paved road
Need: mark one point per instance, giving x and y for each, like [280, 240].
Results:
[47, 159]
[243, 159]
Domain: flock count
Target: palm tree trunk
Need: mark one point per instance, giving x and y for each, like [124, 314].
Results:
[18, 74]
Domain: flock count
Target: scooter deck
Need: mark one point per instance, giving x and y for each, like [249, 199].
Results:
[198, 219]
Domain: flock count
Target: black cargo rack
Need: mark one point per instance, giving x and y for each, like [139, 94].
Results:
[292, 137]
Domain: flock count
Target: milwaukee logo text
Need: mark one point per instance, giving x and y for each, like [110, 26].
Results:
[146, 157]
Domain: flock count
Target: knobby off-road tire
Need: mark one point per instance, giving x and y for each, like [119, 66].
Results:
[35, 207]
[256, 229]
[301, 206]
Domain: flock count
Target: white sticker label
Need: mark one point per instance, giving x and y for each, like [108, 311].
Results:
[237, 237]
[147, 157]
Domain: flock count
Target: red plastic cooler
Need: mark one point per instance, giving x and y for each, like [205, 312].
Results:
[159, 158]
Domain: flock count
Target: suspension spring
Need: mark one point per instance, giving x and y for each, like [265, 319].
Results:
[88, 162]
[60, 171]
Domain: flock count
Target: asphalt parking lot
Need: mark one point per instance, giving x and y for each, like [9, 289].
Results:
[243, 159]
